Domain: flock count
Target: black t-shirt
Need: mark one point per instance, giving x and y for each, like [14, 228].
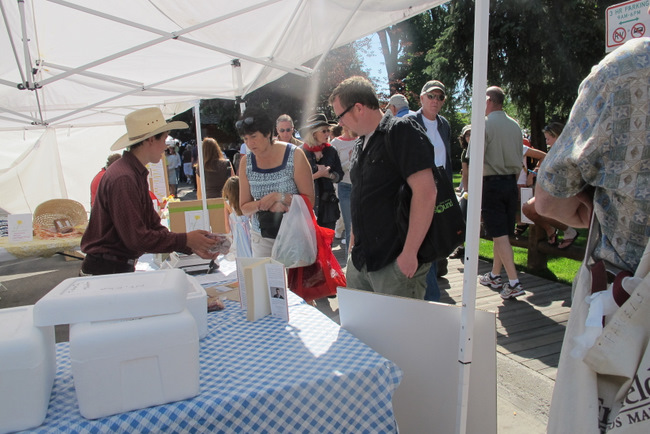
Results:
[376, 179]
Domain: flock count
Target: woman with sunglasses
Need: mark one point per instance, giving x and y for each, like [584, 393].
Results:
[269, 174]
[325, 166]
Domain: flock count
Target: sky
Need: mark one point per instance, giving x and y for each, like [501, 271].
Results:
[374, 62]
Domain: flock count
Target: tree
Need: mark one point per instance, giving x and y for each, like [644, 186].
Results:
[291, 94]
[539, 51]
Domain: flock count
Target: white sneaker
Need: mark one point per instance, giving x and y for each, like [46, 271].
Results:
[512, 291]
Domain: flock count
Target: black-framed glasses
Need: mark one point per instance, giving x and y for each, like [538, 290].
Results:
[338, 118]
[246, 121]
[434, 96]
[283, 130]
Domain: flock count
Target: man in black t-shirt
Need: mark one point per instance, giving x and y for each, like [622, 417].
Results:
[378, 260]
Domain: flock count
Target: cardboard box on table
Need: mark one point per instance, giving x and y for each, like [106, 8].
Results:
[182, 212]
[133, 343]
[27, 369]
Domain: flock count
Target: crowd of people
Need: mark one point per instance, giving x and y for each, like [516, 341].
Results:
[344, 171]
[593, 173]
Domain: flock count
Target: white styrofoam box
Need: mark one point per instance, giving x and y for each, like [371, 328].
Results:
[197, 304]
[27, 369]
[113, 296]
[125, 365]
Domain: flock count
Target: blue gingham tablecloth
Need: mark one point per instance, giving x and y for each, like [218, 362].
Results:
[267, 376]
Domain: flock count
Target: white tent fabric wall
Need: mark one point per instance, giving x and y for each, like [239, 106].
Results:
[60, 163]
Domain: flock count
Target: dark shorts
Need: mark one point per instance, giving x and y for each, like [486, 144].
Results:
[98, 265]
[499, 204]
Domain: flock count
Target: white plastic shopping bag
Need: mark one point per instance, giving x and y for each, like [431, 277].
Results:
[295, 245]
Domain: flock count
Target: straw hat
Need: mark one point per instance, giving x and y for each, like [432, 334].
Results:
[50, 210]
[144, 123]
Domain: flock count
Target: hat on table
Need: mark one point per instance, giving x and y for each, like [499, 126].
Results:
[433, 85]
[144, 123]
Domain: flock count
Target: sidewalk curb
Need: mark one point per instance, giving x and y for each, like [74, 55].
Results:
[523, 396]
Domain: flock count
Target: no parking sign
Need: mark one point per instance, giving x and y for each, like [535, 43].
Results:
[627, 21]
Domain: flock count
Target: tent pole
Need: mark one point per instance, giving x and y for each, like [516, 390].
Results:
[238, 80]
[13, 47]
[200, 170]
[29, 83]
[479, 86]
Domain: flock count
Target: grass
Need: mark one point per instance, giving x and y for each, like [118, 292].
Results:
[558, 268]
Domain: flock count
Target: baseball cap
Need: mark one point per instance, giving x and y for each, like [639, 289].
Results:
[433, 85]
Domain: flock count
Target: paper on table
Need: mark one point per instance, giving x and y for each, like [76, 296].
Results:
[277, 286]
[20, 227]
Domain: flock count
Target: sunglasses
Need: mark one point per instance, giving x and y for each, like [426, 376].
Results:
[282, 130]
[247, 121]
[438, 97]
[338, 117]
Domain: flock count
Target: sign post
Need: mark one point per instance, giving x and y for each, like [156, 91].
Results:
[626, 21]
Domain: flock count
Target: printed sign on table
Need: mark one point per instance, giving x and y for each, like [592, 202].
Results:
[20, 228]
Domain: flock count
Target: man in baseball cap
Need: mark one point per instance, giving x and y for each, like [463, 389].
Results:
[432, 98]
[123, 224]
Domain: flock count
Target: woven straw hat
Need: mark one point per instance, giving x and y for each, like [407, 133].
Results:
[50, 210]
[144, 123]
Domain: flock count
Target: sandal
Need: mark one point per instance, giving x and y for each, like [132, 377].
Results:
[567, 242]
[552, 239]
[520, 229]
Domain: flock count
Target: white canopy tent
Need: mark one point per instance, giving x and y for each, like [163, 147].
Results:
[69, 65]
[71, 70]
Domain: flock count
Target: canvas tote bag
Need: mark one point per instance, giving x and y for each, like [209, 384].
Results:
[609, 389]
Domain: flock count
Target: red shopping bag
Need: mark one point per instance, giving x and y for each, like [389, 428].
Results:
[322, 277]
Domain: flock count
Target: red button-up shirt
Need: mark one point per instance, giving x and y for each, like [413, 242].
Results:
[123, 221]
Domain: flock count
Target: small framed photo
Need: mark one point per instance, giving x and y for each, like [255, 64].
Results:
[63, 226]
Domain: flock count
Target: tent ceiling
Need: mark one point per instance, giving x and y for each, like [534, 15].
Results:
[90, 63]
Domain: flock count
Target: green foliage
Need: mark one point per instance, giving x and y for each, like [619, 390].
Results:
[296, 96]
[539, 52]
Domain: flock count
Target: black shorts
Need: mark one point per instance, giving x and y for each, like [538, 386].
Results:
[499, 204]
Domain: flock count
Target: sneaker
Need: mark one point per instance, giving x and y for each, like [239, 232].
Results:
[492, 282]
[512, 291]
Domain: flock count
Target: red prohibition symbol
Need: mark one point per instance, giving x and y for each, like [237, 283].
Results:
[619, 34]
[638, 30]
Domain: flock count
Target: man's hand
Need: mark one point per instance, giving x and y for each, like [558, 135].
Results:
[407, 263]
[199, 241]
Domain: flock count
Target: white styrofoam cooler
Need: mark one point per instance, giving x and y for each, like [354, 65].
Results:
[27, 369]
[125, 365]
[114, 296]
[197, 304]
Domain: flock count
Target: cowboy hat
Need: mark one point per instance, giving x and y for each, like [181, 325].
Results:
[144, 123]
[314, 121]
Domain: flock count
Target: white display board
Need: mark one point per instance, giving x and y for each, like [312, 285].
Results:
[422, 338]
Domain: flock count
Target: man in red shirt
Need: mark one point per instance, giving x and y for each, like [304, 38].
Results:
[123, 223]
[95, 182]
